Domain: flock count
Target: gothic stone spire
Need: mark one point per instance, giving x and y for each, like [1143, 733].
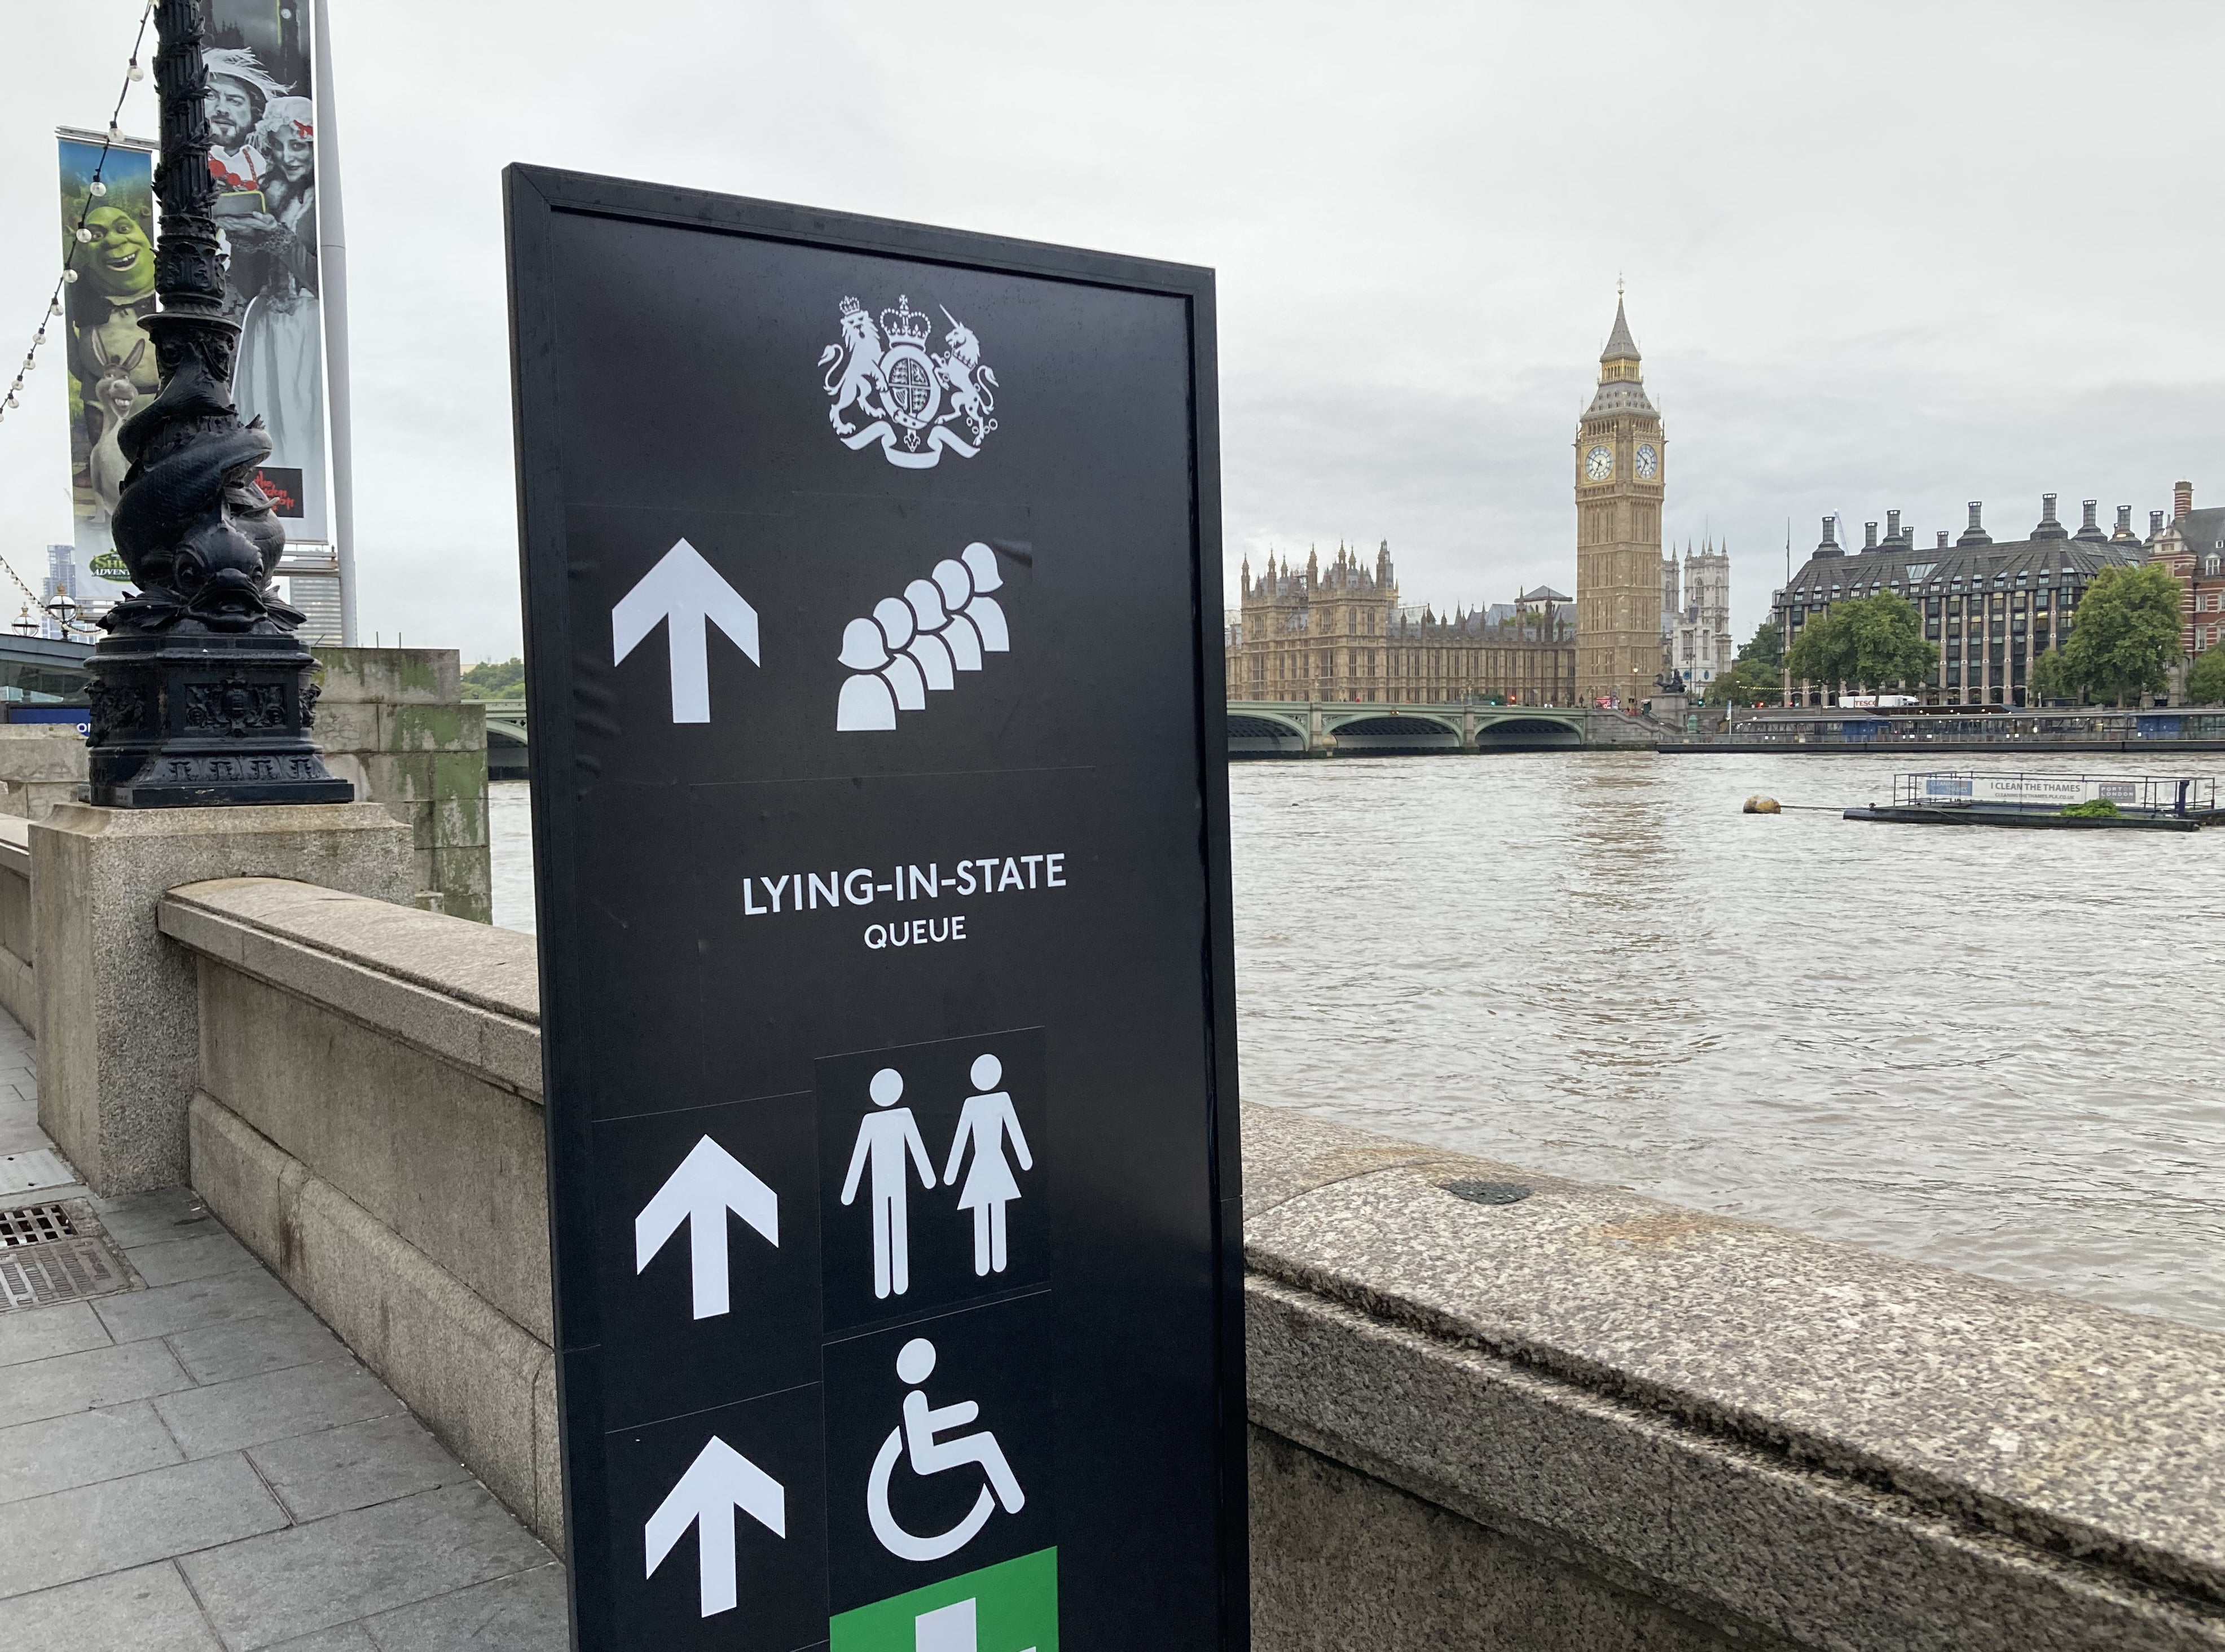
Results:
[1620, 346]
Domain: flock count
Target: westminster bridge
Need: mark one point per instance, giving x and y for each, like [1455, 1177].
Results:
[1260, 729]
[1348, 729]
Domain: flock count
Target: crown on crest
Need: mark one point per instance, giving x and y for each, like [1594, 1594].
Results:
[850, 307]
[904, 324]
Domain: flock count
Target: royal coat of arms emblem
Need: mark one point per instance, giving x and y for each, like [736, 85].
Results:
[888, 387]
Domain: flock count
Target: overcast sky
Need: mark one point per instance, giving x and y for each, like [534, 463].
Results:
[1877, 255]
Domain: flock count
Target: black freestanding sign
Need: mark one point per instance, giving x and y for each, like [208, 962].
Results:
[872, 579]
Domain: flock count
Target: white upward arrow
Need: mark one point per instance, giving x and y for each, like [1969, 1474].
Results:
[686, 591]
[720, 1481]
[709, 1183]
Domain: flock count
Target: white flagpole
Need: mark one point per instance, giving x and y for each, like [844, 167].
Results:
[332, 299]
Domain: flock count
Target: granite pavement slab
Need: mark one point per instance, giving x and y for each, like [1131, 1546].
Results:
[200, 1466]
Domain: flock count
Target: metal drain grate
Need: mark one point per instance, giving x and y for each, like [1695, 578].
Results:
[58, 1270]
[57, 1252]
[1487, 1192]
[33, 1224]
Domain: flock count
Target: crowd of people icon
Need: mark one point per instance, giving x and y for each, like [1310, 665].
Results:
[890, 1146]
[919, 642]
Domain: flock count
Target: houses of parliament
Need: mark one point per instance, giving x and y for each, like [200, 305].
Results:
[1338, 631]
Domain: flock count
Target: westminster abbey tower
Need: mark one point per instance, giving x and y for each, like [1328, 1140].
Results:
[1620, 460]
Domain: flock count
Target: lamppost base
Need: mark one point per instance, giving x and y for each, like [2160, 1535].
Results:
[183, 720]
[198, 781]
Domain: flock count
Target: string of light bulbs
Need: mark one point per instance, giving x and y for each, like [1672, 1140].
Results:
[80, 235]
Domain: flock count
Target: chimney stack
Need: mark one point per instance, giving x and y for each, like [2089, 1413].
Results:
[2049, 528]
[1893, 527]
[2155, 526]
[1942, 538]
[2124, 525]
[1976, 534]
[1869, 536]
[2182, 499]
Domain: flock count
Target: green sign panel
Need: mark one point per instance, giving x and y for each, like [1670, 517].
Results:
[1008, 1608]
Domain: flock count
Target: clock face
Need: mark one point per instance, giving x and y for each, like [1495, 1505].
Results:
[1598, 464]
[1649, 462]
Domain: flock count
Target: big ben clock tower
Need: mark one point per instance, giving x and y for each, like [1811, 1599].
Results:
[1620, 460]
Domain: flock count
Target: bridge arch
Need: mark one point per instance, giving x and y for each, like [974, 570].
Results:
[1527, 733]
[507, 745]
[1380, 734]
[1253, 734]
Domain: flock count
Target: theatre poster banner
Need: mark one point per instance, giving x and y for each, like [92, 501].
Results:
[111, 188]
[262, 116]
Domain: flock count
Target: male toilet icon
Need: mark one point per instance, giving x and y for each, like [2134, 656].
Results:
[920, 1439]
[883, 1140]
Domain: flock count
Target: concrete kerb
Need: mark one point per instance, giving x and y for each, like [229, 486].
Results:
[118, 1029]
[483, 1383]
[420, 1106]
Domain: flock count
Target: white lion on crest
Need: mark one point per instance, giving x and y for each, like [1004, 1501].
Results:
[857, 362]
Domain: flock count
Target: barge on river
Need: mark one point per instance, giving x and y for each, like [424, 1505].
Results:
[2062, 802]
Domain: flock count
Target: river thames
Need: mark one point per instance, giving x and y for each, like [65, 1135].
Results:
[1989, 1050]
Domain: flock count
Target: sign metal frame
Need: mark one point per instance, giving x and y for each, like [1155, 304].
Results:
[534, 200]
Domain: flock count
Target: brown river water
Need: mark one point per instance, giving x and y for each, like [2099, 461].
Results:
[1984, 1049]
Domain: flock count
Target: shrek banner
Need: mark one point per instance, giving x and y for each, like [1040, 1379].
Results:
[262, 130]
[112, 365]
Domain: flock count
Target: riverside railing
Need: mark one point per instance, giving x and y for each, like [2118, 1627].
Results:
[2146, 794]
[1852, 726]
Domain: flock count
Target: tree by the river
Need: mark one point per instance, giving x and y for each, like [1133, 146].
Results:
[1868, 642]
[495, 680]
[2205, 678]
[1756, 674]
[2124, 642]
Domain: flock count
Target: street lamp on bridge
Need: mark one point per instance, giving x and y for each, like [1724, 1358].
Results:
[200, 691]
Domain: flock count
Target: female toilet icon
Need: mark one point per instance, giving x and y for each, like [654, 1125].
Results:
[988, 1122]
[918, 1437]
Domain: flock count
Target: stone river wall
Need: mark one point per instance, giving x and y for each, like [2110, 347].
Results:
[1490, 1409]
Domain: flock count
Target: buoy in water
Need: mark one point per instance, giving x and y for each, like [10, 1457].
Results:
[1759, 805]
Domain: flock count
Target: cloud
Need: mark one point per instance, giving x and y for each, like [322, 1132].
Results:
[1904, 255]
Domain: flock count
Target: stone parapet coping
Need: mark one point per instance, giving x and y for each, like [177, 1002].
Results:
[2080, 1431]
[464, 992]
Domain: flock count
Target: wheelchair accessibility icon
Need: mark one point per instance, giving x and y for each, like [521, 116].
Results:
[923, 1439]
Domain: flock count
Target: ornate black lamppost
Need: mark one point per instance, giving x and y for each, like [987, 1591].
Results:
[200, 691]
